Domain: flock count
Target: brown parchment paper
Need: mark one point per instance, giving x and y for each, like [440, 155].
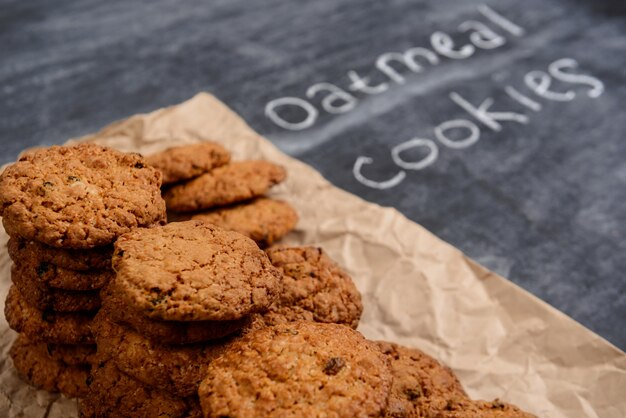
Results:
[417, 290]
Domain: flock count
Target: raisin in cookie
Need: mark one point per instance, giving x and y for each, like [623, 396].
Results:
[34, 252]
[193, 271]
[47, 326]
[298, 369]
[80, 196]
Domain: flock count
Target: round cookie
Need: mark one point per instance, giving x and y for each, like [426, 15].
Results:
[33, 252]
[188, 161]
[114, 394]
[47, 276]
[225, 185]
[53, 299]
[81, 196]
[174, 369]
[38, 369]
[193, 271]
[315, 288]
[298, 369]
[167, 332]
[421, 385]
[263, 220]
[47, 326]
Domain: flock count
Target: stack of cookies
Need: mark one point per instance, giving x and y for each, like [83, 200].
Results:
[183, 294]
[202, 183]
[63, 208]
[180, 290]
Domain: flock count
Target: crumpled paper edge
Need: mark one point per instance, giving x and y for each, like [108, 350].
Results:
[417, 290]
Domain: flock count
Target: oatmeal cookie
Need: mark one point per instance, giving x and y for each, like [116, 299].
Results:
[421, 385]
[315, 288]
[168, 332]
[47, 276]
[47, 326]
[36, 367]
[53, 299]
[113, 394]
[225, 185]
[193, 271]
[188, 161]
[298, 369]
[33, 252]
[80, 196]
[175, 369]
[263, 220]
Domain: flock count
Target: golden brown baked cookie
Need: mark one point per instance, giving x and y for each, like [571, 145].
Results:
[193, 271]
[298, 369]
[263, 220]
[53, 299]
[315, 288]
[80, 196]
[47, 276]
[113, 394]
[34, 253]
[225, 185]
[175, 369]
[38, 369]
[421, 385]
[188, 161]
[167, 332]
[47, 326]
[465, 408]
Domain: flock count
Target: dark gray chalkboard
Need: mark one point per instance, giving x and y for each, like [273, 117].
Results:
[536, 194]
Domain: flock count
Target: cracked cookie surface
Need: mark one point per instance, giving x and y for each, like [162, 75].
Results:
[80, 196]
[263, 220]
[314, 288]
[168, 332]
[113, 394]
[225, 185]
[177, 369]
[298, 369]
[193, 271]
[420, 383]
[188, 161]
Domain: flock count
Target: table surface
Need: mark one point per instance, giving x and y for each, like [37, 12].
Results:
[539, 201]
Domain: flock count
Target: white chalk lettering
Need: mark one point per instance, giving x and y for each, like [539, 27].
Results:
[362, 84]
[444, 45]
[539, 82]
[500, 20]
[408, 58]
[348, 101]
[483, 37]
[430, 158]
[271, 112]
[381, 185]
[471, 139]
[522, 99]
[556, 70]
[483, 115]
